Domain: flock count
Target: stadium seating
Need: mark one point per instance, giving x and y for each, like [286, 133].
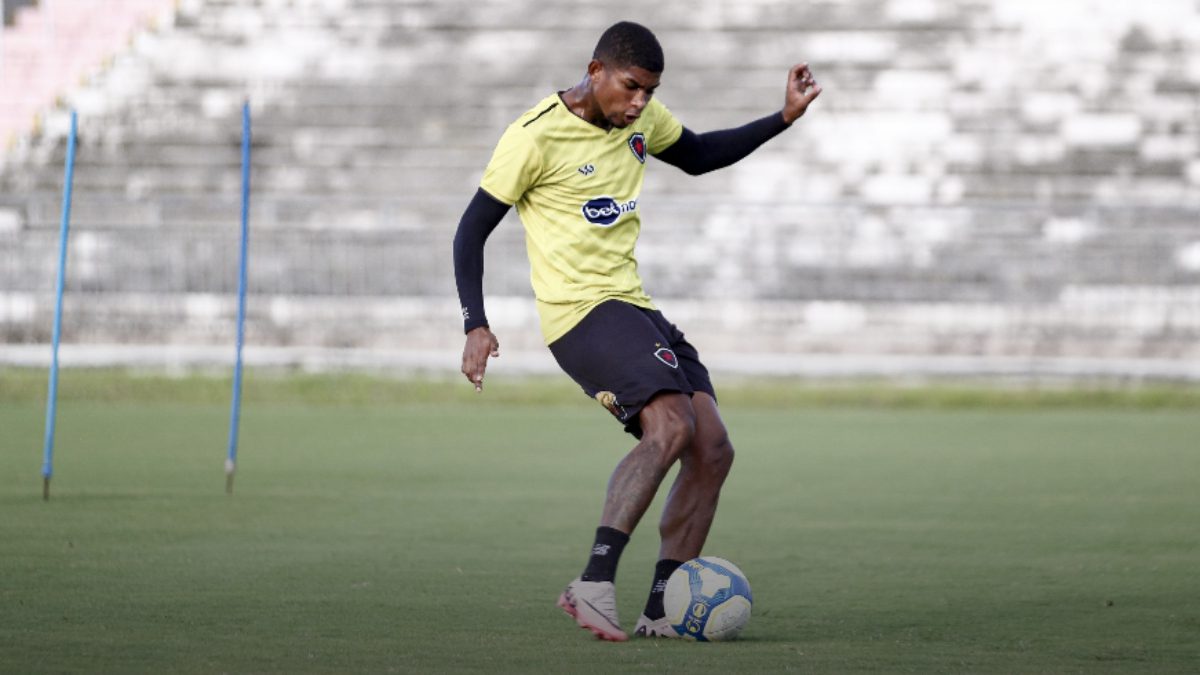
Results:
[984, 178]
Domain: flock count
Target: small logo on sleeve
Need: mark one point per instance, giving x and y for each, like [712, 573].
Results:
[587, 169]
[667, 356]
[637, 143]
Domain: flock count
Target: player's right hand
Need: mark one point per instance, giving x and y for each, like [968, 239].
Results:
[481, 344]
[802, 89]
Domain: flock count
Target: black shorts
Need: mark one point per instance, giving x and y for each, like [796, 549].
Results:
[622, 355]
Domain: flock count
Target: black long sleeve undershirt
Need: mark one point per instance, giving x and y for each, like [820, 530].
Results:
[697, 154]
[482, 216]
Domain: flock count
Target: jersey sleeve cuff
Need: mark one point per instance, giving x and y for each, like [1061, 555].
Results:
[497, 196]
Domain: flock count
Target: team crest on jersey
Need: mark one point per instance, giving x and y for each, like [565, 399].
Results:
[637, 143]
[667, 356]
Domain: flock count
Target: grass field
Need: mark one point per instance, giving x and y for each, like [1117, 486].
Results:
[414, 528]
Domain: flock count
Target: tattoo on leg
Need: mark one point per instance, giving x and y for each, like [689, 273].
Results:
[632, 488]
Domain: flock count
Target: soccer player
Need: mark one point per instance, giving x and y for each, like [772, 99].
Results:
[573, 167]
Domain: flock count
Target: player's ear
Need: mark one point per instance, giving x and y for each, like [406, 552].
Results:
[594, 69]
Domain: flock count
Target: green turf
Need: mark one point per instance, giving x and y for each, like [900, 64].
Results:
[28, 385]
[429, 538]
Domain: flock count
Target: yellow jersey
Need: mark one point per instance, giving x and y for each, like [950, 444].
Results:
[576, 188]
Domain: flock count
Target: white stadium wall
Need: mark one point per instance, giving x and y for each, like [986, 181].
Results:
[986, 187]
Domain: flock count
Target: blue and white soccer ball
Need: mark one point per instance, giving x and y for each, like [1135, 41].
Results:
[708, 599]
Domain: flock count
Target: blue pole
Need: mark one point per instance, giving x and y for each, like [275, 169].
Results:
[52, 395]
[235, 412]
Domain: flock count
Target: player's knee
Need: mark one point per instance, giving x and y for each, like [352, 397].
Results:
[676, 434]
[681, 430]
[718, 456]
[670, 428]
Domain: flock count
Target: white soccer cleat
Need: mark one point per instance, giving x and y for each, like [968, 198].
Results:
[593, 605]
[654, 628]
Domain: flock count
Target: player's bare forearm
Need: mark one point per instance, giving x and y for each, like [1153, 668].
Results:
[481, 344]
[802, 89]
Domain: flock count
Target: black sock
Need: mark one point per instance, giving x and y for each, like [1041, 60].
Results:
[654, 604]
[602, 566]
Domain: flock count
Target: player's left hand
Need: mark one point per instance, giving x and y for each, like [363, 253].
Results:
[802, 89]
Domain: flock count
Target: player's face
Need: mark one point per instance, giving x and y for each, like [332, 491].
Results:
[623, 93]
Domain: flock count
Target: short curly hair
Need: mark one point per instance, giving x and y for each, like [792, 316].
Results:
[627, 44]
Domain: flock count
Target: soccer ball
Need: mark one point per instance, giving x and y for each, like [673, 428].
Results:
[708, 599]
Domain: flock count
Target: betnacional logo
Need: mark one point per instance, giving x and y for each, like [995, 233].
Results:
[637, 143]
[604, 211]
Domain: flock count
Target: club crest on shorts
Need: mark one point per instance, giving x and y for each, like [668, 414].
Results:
[637, 143]
[609, 401]
[667, 356]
